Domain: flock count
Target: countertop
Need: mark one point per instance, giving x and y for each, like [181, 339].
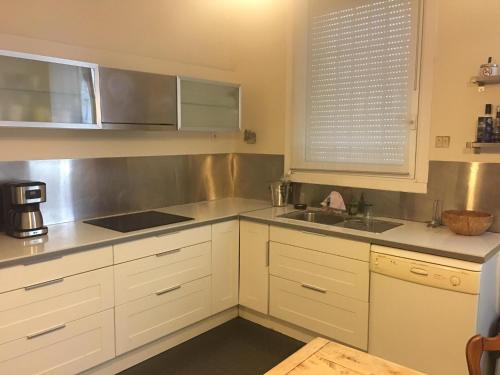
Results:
[77, 236]
[413, 236]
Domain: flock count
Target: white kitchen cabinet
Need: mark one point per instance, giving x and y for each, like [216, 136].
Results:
[320, 283]
[149, 318]
[341, 275]
[53, 267]
[333, 315]
[131, 250]
[25, 311]
[63, 349]
[149, 275]
[254, 266]
[225, 265]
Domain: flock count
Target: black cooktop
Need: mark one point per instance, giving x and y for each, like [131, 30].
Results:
[141, 220]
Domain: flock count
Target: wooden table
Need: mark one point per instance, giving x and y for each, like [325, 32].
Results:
[323, 357]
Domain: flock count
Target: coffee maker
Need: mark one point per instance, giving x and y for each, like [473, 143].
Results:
[21, 208]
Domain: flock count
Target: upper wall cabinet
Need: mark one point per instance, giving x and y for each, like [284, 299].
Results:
[46, 92]
[137, 100]
[208, 105]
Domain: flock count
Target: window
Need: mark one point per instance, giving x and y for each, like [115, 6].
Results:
[361, 87]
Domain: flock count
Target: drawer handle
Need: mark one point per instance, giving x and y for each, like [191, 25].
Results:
[41, 259]
[168, 290]
[419, 271]
[168, 252]
[314, 233]
[168, 234]
[315, 288]
[268, 250]
[46, 331]
[45, 283]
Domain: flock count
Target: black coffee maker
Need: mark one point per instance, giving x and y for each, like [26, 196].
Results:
[21, 208]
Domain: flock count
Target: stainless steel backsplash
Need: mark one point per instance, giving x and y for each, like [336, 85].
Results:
[457, 185]
[84, 188]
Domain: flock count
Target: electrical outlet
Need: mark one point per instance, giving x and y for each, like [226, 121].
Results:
[439, 142]
[442, 141]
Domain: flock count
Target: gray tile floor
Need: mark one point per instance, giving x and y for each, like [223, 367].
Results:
[238, 347]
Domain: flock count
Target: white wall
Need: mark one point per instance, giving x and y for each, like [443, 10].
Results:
[234, 40]
[468, 32]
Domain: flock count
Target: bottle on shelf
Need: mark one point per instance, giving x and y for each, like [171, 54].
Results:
[485, 126]
[496, 127]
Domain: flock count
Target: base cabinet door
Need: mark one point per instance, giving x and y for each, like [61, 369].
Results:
[149, 318]
[254, 266]
[64, 349]
[225, 265]
[333, 315]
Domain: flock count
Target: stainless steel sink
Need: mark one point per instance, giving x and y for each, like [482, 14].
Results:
[328, 218]
[320, 217]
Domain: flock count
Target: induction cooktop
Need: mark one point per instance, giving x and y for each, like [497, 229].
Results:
[137, 221]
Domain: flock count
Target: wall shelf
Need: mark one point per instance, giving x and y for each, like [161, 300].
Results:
[478, 146]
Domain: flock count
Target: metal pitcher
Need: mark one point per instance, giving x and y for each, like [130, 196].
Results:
[279, 193]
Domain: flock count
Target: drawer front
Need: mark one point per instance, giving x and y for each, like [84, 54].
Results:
[332, 245]
[57, 266]
[25, 311]
[142, 277]
[149, 318]
[159, 244]
[332, 273]
[332, 315]
[69, 349]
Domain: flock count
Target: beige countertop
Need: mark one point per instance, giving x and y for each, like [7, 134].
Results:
[76, 236]
[413, 236]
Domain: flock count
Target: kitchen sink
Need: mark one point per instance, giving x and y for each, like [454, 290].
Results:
[350, 222]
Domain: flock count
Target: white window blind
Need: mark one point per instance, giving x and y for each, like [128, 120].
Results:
[362, 81]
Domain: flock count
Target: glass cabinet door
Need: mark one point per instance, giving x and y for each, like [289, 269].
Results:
[46, 92]
[208, 105]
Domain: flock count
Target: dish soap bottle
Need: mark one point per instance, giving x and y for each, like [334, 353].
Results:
[485, 126]
[495, 137]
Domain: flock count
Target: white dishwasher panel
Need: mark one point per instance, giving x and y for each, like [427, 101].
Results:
[416, 319]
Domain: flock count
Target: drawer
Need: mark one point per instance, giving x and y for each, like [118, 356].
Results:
[63, 349]
[328, 244]
[146, 276]
[332, 273]
[340, 318]
[149, 318]
[29, 310]
[159, 244]
[57, 266]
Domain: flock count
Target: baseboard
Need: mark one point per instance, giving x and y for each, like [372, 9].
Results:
[147, 351]
[277, 325]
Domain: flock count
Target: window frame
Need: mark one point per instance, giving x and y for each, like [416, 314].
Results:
[297, 76]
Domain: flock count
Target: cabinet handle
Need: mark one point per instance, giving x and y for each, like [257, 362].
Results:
[168, 234]
[268, 245]
[46, 331]
[171, 289]
[314, 233]
[315, 288]
[45, 283]
[168, 252]
[41, 259]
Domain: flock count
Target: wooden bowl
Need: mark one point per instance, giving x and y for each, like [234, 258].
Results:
[467, 223]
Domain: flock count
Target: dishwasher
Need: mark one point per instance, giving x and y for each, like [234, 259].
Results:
[424, 308]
